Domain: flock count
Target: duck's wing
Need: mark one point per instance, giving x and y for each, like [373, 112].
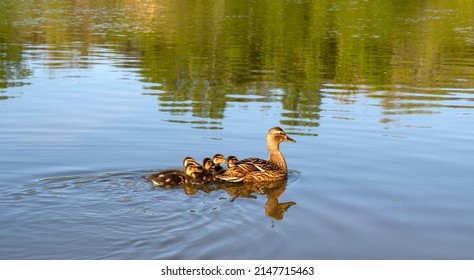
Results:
[257, 165]
[254, 167]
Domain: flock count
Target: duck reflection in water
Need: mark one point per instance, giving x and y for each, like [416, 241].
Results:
[272, 190]
[273, 208]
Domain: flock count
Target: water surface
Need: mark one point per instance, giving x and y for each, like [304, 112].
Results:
[95, 95]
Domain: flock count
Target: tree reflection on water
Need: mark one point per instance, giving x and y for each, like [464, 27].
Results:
[196, 57]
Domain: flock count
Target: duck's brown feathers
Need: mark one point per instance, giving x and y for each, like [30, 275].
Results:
[254, 170]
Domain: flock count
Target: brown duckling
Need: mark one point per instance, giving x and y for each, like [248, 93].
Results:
[254, 170]
[189, 160]
[186, 161]
[217, 159]
[230, 161]
[176, 177]
[208, 174]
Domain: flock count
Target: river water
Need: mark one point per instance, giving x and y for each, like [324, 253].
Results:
[96, 95]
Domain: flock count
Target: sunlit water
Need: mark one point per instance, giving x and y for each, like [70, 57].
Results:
[95, 96]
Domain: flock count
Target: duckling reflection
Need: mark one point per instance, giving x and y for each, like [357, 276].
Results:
[190, 189]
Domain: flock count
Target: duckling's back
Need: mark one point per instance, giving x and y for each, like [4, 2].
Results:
[168, 178]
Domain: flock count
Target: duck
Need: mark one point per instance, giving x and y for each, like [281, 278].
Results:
[208, 173]
[217, 159]
[255, 170]
[176, 177]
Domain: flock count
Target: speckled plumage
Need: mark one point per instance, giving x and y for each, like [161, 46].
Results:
[175, 177]
[208, 174]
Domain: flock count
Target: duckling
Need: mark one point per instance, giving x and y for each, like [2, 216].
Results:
[163, 174]
[176, 177]
[217, 159]
[207, 176]
[254, 170]
[189, 160]
[230, 161]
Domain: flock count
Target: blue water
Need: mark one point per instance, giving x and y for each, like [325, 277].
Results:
[379, 171]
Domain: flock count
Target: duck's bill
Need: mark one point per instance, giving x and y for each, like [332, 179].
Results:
[289, 139]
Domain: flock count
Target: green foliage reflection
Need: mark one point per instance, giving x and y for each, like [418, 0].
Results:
[203, 53]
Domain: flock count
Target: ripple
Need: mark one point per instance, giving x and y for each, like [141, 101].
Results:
[123, 216]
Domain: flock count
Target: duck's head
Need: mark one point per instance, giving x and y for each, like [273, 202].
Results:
[231, 160]
[192, 168]
[207, 164]
[189, 160]
[277, 135]
[218, 159]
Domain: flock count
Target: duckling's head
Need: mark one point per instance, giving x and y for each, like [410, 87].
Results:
[191, 169]
[277, 135]
[207, 164]
[189, 160]
[231, 160]
[218, 159]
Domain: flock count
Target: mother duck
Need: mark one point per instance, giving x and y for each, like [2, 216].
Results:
[255, 170]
